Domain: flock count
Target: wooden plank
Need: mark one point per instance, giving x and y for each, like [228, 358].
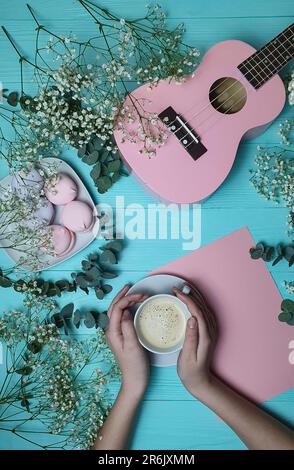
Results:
[132, 8]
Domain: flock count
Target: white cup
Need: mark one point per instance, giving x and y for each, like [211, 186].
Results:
[183, 309]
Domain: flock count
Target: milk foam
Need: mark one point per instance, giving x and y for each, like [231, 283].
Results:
[161, 323]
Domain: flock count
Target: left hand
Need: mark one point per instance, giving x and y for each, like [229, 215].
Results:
[123, 342]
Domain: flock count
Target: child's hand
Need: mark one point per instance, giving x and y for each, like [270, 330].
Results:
[123, 342]
[195, 358]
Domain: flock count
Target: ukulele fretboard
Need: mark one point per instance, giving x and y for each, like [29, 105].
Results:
[270, 59]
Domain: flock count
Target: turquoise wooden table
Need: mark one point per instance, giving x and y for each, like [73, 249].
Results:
[169, 418]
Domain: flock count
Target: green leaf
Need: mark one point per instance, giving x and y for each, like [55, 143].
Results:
[108, 275]
[67, 311]
[287, 305]
[280, 249]
[103, 183]
[113, 166]
[99, 293]
[288, 252]
[45, 287]
[34, 347]
[285, 316]
[277, 260]
[25, 404]
[86, 265]
[103, 320]
[82, 151]
[57, 320]
[115, 177]
[91, 159]
[115, 245]
[89, 320]
[77, 318]
[107, 256]
[93, 257]
[63, 285]
[24, 370]
[260, 247]
[255, 254]
[268, 253]
[82, 281]
[12, 98]
[5, 282]
[291, 321]
[107, 288]
[94, 272]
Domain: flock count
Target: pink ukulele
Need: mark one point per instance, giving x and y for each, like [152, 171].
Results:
[235, 93]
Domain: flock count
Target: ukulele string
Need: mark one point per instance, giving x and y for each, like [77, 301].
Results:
[197, 114]
[226, 89]
[226, 112]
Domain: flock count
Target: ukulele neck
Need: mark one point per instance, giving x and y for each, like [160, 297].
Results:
[270, 59]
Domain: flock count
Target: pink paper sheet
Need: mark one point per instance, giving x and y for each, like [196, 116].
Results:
[254, 352]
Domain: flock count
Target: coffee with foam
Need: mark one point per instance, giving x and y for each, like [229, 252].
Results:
[161, 323]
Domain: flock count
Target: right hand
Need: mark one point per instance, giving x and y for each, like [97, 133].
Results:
[123, 342]
[194, 361]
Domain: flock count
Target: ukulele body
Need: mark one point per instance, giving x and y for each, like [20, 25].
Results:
[173, 175]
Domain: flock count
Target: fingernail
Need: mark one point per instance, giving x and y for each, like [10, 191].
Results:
[186, 289]
[192, 322]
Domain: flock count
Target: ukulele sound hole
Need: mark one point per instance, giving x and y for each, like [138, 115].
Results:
[227, 95]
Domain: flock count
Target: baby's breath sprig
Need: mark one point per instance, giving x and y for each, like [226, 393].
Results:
[273, 177]
[45, 380]
[82, 86]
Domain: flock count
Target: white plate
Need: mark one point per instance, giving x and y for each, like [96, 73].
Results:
[82, 240]
[159, 284]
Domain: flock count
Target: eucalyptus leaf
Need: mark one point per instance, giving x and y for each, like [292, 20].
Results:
[103, 183]
[82, 281]
[113, 166]
[86, 265]
[77, 318]
[26, 370]
[12, 98]
[93, 257]
[5, 282]
[62, 285]
[82, 151]
[107, 256]
[115, 176]
[67, 311]
[115, 245]
[285, 316]
[277, 260]
[34, 347]
[57, 320]
[108, 275]
[107, 288]
[99, 293]
[91, 159]
[291, 321]
[287, 305]
[89, 320]
[103, 320]
[288, 252]
[25, 404]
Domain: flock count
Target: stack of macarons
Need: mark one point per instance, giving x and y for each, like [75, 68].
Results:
[76, 216]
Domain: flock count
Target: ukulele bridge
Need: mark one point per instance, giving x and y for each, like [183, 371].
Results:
[183, 132]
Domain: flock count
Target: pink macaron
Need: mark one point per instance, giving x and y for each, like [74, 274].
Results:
[77, 216]
[42, 215]
[63, 239]
[64, 191]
